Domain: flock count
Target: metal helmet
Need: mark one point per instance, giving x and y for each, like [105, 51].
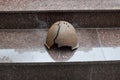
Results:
[63, 34]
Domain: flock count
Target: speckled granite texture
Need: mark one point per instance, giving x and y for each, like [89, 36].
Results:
[43, 5]
[61, 71]
[27, 45]
[38, 20]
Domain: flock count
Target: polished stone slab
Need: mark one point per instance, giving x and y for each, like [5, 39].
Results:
[44, 5]
[27, 45]
[110, 43]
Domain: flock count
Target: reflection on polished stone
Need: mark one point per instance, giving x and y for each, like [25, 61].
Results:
[36, 55]
[61, 54]
[93, 54]
[112, 53]
[5, 59]
[28, 46]
[110, 43]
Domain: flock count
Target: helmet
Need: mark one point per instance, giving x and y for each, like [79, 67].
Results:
[63, 34]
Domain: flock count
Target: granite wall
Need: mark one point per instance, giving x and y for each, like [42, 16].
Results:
[38, 20]
[61, 71]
